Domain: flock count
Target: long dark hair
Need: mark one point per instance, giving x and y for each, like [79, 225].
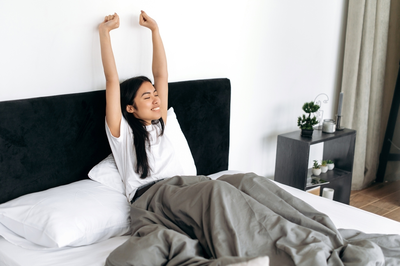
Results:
[129, 90]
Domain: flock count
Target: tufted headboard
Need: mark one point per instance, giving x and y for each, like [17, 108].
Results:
[51, 141]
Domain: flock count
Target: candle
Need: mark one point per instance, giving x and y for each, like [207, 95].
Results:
[328, 193]
[339, 112]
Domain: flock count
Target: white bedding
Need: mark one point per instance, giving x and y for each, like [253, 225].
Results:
[343, 216]
[346, 216]
[93, 255]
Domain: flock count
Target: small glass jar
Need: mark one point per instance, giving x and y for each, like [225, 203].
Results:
[329, 126]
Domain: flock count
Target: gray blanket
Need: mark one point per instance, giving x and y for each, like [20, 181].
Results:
[198, 221]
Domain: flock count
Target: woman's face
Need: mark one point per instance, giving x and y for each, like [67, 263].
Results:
[147, 104]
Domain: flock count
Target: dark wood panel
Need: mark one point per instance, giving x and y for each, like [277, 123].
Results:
[292, 162]
[291, 167]
[342, 187]
[341, 151]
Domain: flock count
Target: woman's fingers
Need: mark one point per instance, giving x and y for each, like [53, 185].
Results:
[146, 21]
[144, 15]
[111, 17]
[110, 22]
[142, 18]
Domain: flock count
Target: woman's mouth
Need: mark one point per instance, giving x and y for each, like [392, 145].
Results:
[155, 109]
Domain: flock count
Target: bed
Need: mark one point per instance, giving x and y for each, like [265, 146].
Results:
[52, 142]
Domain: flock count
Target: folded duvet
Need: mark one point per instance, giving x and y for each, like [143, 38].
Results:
[237, 218]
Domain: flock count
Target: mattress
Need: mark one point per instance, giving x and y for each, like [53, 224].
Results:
[343, 216]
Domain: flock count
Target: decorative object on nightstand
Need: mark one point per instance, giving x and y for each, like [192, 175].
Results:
[331, 165]
[324, 166]
[328, 193]
[306, 123]
[316, 170]
[319, 100]
[339, 113]
[329, 126]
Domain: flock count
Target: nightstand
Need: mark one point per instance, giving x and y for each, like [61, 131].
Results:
[292, 156]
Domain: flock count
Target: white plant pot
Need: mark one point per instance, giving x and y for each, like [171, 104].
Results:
[316, 172]
[324, 169]
[331, 166]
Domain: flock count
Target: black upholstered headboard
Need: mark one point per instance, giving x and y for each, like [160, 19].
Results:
[51, 141]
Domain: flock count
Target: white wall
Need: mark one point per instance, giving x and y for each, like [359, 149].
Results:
[277, 54]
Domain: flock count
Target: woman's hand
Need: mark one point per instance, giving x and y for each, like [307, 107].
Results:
[110, 22]
[147, 21]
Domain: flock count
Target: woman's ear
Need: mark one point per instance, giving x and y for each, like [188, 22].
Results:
[130, 109]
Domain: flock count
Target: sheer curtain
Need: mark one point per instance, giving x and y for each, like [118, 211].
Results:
[363, 83]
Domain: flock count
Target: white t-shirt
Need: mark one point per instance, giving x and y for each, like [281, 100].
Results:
[163, 161]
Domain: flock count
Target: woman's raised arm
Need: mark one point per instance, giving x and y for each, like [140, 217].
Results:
[159, 65]
[113, 103]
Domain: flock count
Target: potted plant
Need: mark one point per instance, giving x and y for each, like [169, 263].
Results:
[306, 122]
[331, 165]
[324, 166]
[316, 170]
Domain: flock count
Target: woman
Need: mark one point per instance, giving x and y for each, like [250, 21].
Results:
[136, 112]
[235, 220]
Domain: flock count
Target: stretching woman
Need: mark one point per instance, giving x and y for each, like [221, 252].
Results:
[136, 114]
[193, 220]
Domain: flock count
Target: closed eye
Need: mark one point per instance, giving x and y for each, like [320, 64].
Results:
[146, 95]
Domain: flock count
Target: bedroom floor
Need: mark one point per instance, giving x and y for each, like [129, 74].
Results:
[381, 198]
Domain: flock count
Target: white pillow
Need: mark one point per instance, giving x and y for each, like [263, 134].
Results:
[106, 171]
[179, 142]
[77, 214]
[224, 172]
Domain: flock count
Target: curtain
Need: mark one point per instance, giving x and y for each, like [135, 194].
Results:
[363, 82]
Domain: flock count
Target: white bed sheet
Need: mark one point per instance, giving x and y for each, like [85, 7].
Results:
[93, 255]
[346, 216]
[342, 215]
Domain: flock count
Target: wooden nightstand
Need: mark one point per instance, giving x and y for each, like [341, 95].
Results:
[292, 156]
